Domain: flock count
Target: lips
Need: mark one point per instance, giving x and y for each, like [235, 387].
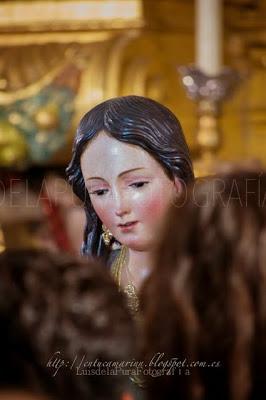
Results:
[127, 225]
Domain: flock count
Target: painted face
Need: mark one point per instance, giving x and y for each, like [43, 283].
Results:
[129, 190]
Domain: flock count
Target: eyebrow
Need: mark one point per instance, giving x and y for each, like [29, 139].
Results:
[120, 175]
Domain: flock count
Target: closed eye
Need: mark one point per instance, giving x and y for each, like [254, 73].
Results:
[139, 184]
[99, 192]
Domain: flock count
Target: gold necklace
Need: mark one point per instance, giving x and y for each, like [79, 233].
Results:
[130, 290]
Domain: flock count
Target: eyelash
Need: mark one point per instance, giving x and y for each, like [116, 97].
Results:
[99, 192]
[141, 183]
[137, 185]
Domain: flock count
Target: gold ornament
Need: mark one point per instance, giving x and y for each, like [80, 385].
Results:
[47, 117]
[106, 235]
[13, 147]
[121, 262]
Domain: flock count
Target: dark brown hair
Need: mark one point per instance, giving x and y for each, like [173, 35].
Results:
[54, 303]
[135, 120]
[206, 298]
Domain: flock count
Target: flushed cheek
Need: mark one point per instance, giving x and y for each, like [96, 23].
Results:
[152, 208]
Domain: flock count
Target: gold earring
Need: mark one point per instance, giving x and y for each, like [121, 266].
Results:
[106, 235]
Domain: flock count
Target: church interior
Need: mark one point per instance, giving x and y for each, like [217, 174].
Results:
[60, 58]
[132, 199]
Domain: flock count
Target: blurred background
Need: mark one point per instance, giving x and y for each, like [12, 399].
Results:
[204, 59]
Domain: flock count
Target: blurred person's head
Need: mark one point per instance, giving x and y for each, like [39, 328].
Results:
[206, 298]
[23, 220]
[57, 314]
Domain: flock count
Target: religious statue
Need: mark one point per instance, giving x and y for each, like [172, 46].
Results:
[130, 161]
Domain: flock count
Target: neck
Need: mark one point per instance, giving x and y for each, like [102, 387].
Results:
[139, 265]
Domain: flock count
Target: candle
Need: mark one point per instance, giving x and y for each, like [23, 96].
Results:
[209, 36]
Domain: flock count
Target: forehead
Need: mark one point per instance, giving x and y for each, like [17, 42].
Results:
[105, 155]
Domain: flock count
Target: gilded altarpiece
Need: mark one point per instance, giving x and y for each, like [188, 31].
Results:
[60, 58]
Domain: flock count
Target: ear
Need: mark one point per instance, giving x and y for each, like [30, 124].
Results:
[178, 186]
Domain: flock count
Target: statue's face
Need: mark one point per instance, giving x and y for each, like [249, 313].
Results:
[129, 190]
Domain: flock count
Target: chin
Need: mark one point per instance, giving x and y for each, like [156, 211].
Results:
[137, 245]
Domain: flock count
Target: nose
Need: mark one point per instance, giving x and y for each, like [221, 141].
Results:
[121, 204]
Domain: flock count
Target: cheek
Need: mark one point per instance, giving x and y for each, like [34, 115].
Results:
[153, 206]
[156, 208]
[102, 210]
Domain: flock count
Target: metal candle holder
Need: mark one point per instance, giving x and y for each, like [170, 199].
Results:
[209, 92]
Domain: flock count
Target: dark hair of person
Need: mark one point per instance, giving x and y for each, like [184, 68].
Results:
[205, 300]
[54, 307]
[135, 120]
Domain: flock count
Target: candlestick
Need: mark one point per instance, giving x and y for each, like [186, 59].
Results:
[209, 36]
[209, 92]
